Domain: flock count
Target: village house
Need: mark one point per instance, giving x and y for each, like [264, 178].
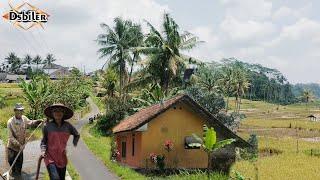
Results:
[11, 78]
[176, 120]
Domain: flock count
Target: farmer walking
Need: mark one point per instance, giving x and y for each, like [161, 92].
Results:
[17, 126]
[55, 137]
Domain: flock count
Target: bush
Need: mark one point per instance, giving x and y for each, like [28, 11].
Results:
[117, 110]
[210, 101]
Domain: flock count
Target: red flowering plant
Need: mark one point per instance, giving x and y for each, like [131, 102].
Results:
[168, 145]
[153, 157]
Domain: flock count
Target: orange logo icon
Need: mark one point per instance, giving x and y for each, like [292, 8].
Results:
[26, 16]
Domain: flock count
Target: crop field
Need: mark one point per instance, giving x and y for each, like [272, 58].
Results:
[289, 142]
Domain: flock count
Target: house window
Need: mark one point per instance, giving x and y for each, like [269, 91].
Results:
[133, 144]
[123, 149]
[191, 143]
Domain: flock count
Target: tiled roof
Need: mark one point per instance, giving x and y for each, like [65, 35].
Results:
[144, 115]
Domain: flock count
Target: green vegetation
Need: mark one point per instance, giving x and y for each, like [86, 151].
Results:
[283, 151]
[72, 171]
[210, 144]
[101, 147]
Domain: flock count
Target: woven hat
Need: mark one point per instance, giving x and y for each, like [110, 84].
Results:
[19, 107]
[68, 113]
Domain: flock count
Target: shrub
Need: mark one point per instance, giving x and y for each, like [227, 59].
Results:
[117, 110]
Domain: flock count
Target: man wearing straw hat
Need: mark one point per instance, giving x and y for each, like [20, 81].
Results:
[55, 137]
[17, 126]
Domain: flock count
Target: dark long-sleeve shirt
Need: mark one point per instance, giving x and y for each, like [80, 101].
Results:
[55, 140]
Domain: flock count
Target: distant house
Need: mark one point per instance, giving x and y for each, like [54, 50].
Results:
[176, 119]
[59, 73]
[56, 71]
[13, 78]
[3, 76]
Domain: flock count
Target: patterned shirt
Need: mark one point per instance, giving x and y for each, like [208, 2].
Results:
[55, 140]
[17, 131]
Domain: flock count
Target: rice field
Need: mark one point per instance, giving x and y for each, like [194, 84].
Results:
[284, 130]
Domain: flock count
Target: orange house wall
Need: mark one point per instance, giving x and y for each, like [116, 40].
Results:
[129, 160]
[174, 124]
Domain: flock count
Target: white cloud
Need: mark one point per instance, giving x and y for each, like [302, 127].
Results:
[248, 9]
[246, 30]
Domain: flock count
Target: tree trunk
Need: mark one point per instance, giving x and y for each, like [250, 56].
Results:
[227, 104]
[135, 55]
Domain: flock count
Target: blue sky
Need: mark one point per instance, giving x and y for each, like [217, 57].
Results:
[279, 34]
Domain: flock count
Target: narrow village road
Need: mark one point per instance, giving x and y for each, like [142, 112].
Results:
[85, 162]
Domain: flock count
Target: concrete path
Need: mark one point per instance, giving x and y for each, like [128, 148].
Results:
[31, 154]
[85, 162]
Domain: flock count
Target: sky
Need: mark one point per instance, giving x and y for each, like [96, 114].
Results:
[278, 34]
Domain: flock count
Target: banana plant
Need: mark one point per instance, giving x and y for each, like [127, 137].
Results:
[209, 142]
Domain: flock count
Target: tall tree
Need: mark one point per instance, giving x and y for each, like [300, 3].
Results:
[240, 84]
[226, 82]
[14, 62]
[49, 59]
[307, 96]
[27, 60]
[117, 43]
[37, 60]
[164, 48]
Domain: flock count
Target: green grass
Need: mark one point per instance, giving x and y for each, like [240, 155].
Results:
[72, 171]
[100, 146]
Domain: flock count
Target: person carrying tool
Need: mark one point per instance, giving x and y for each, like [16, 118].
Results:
[17, 126]
[55, 137]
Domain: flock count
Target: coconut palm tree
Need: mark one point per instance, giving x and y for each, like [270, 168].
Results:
[240, 85]
[27, 60]
[117, 43]
[14, 62]
[163, 48]
[226, 82]
[37, 60]
[49, 60]
[208, 79]
[307, 96]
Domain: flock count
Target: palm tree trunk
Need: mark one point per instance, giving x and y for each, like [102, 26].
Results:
[227, 103]
[135, 55]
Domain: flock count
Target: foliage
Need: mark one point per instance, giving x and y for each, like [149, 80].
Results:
[300, 87]
[207, 79]
[13, 63]
[71, 91]
[210, 143]
[37, 93]
[159, 160]
[116, 43]
[110, 81]
[163, 49]
[116, 111]
[2, 101]
[307, 96]
[210, 101]
[151, 95]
